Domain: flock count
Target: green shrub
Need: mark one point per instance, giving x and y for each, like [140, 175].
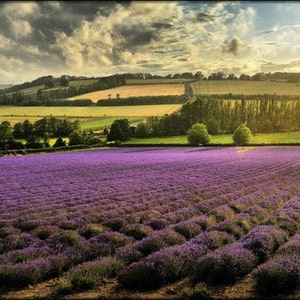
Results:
[90, 275]
[91, 230]
[198, 134]
[242, 135]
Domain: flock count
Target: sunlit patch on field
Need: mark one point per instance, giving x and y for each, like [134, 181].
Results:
[244, 149]
[134, 91]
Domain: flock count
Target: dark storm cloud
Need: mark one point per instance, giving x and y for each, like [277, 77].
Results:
[63, 17]
[134, 36]
[161, 25]
[47, 20]
[203, 17]
[232, 46]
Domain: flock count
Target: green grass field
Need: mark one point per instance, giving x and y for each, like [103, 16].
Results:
[260, 138]
[100, 123]
[209, 87]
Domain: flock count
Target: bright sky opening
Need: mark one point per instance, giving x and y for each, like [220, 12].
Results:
[100, 38]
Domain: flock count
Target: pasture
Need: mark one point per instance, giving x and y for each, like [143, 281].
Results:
[225, 139]
[149, 223]
[210, 87]
[134, 91]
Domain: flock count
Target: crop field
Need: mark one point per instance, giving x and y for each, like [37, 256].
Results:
[15, 114]
[156, 81]
[209, 87]
[135, 220]
[137, 90]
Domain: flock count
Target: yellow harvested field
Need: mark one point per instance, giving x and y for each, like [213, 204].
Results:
[134, 91]
[15, 114]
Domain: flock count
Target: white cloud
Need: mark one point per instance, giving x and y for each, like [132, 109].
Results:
[20, 9]
[244, 22]
[20, 28]
[5, 43]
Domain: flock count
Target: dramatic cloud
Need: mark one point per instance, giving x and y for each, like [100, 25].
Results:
[232, 46]
[97, 38]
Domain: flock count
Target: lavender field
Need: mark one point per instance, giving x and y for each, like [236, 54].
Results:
[147, 217]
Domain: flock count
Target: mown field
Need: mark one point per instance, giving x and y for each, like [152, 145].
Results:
[15, 114]
[241, 87]
[134, 91]
[156, 81]
[140, 223]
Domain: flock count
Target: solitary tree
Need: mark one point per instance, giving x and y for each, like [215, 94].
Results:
[198, 134]
[5, 134]
[119, 130]
[242, 135]
[142, 130]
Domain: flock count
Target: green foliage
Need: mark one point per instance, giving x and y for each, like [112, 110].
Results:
[242, 135]
[64, 81]
[89, 275]
[78, 137]
[75, 138]
[119, 131]
[144, 100]
[91, 230]
[59, 143]
[213, 126]
[34, 142]
[5, 134]
[199, 292]
[198, 134]
[142, 130]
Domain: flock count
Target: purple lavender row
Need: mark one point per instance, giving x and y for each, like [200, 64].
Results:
[122, 238]
[281, 273]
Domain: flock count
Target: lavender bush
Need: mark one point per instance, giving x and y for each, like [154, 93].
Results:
[225, 265]
[150, 208]
[278, 276]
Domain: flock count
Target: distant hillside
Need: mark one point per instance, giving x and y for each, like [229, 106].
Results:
[244, 87]
[49, 90]
[5, 86]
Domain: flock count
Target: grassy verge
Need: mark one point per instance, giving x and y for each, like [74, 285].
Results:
[225, 139]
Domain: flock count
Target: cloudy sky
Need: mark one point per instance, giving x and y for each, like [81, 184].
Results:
[100, 38]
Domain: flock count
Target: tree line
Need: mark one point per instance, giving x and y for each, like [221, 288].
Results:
[46, 95]
[37, 134]
[267, 114]
[51, 97]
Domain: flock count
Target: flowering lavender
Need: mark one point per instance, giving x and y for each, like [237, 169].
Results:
[264, 240]
[278, 276]
[147, 207]
[224, 265]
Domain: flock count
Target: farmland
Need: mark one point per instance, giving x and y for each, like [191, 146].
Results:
[134, 91]
[140, 219]
[15, 114]
[210, 87]
[156, 81]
